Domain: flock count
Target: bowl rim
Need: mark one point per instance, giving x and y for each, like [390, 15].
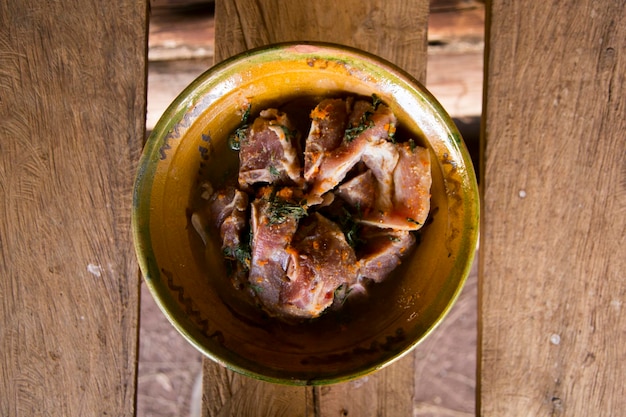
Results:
[185, 101]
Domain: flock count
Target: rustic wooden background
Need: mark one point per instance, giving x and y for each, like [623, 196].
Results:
[551, 321]
[71, 130]
[181, 44]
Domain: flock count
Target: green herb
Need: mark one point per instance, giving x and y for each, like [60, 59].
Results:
[256, 288]
[376, 101]
[350, 227]
[412, 145]
[279, 210]
[410, 220]
[341, 293]
[274, 172]
[394, 238]
[239, 135]
[288, 133]
[364, 124]
[241, 253]
[235, 139]
[246, 114]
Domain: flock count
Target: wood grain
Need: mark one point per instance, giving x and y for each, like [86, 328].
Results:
[395, 30]
[72, 113]
[228, 394]
[552, 315]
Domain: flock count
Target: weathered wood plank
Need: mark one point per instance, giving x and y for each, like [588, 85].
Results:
[72, 107]
[553, 256]
[181, 47]
[228, 394]
[395, 30]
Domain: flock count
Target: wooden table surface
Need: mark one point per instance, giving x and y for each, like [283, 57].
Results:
[552, 323]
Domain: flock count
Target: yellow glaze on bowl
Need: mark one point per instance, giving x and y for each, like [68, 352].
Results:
[192, 289]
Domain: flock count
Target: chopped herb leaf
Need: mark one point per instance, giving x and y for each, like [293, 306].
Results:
[256, 288]
[246, 114]
[412, 145]
[364, 124]
[288, 133]
[281, 210]
[350, 227]
[376, 101]
[239, 135]
[241, 254]
[274, 171]
[342, 292]
[410, 220]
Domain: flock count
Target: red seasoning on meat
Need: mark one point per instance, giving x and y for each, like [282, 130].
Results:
[312, 217]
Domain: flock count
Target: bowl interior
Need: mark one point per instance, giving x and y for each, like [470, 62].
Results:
[189, 282]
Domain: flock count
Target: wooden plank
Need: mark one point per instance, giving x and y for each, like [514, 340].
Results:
[553, 256]
[72, 107]
[395, 30]
[227, 394]
[181, 47]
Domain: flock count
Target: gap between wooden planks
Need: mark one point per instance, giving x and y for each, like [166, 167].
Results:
[181, 47]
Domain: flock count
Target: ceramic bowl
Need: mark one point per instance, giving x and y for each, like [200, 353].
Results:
[190, 286]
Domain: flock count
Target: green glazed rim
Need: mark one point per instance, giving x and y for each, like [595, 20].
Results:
[459, 182]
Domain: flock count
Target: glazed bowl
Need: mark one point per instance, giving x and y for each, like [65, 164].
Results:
[189, 282]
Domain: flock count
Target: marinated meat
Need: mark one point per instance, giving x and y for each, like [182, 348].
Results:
[370, 128]
[382, 252]
[411, 191]
[321, 261]
[381, 158]
[271, 237]
[328, 124]
[412, 179]
[269, 153]
[324, 222]
[360, 191]
[228, 209]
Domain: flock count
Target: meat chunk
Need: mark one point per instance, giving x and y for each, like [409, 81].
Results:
[271, 235]
[360, 191]
[304, 231]
[270, 151]
[381, 158]
[227, 209]
[328, 124]
[412, 179]
[383, 252]
[411, 191]
[320, 262]
[370, 127]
